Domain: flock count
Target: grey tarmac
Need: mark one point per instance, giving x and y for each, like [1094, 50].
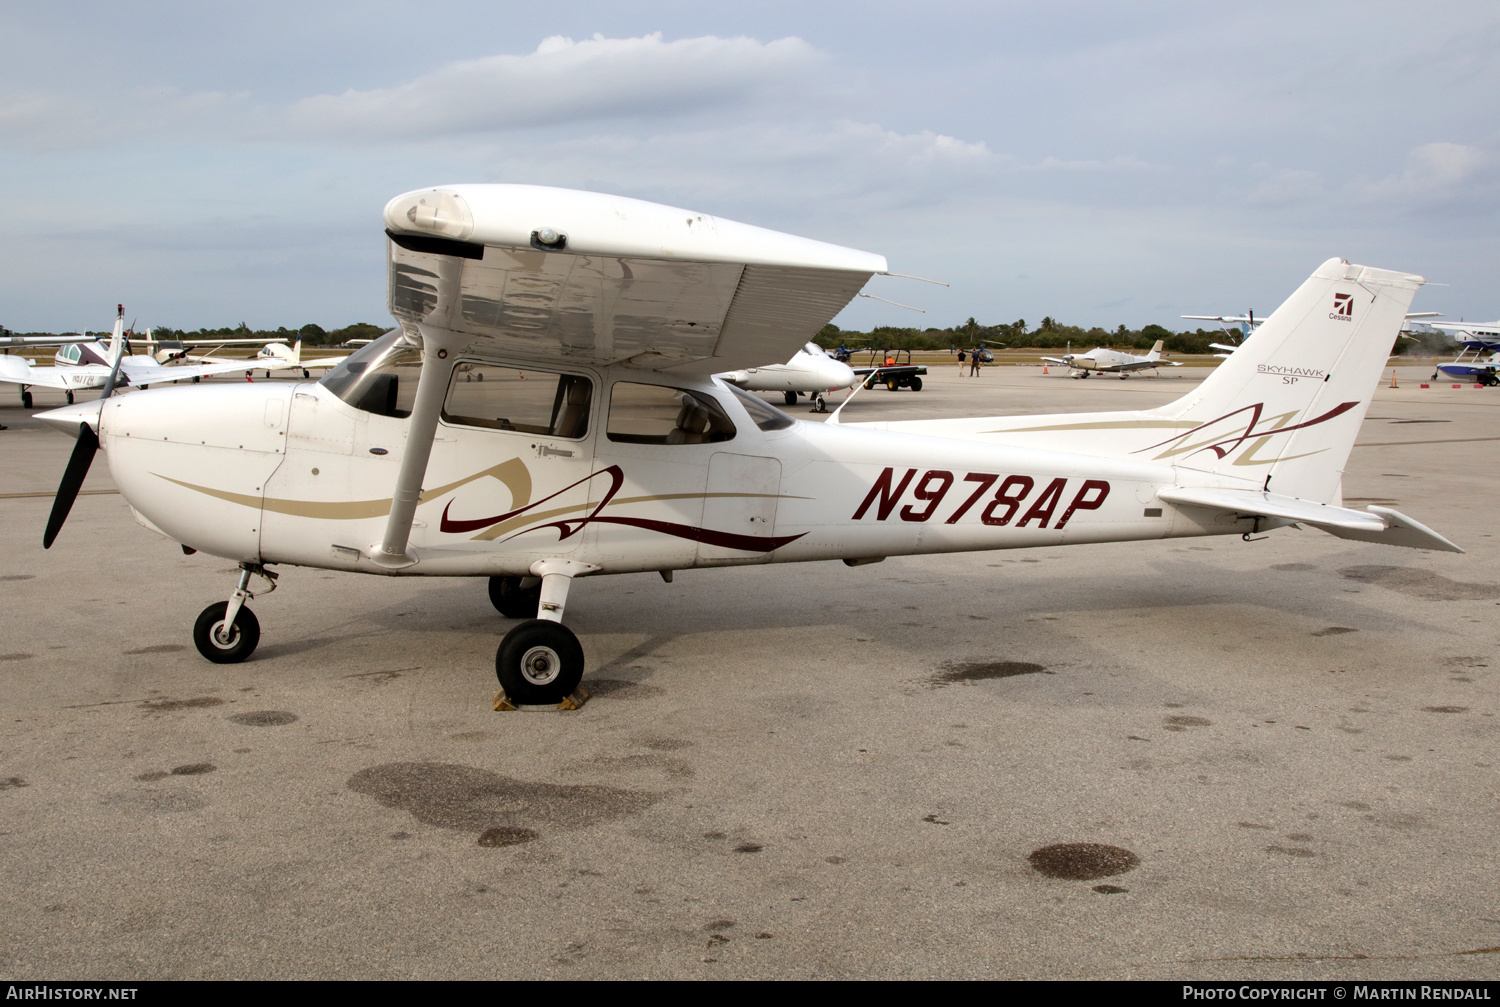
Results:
[785, 771]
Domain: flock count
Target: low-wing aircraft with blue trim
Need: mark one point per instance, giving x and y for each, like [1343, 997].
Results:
[549, 409]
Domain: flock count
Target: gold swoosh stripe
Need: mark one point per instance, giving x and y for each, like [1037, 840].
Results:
[512, 473]
[1101, 425]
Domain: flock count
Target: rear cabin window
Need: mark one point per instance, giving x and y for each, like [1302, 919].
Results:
[656, 414]
[532, 402]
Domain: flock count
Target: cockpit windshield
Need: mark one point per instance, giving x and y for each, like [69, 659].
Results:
[380, 378]
[765, 415]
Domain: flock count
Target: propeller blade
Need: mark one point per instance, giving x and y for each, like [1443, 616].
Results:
[72, 481]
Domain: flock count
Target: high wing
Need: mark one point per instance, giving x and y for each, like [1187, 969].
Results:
[152, 374]
[533, 271]
[15, 371]
[46, 340]
[528, 272]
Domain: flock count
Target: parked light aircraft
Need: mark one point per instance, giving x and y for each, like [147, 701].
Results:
[620, 452]
[81, 365]
[277, 356]
[1107, 361]
[1246, 324]
[810, 371]
[1472, 335]
[1243, 324]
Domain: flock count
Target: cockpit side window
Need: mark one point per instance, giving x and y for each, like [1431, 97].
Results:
[381, 378]
[657, 414]
[533, 402]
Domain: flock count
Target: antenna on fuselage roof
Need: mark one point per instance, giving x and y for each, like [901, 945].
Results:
[920, 311]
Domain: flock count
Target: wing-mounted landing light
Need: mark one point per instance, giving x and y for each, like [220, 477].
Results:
[80, 460]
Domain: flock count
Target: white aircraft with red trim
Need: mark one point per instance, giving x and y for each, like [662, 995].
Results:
[81, 365]
[548, 410]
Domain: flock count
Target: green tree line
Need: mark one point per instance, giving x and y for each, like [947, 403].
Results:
[310, 334]
[1051, 334]
[1048, 334]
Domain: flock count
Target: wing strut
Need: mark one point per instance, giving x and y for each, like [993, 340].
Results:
[438, 344]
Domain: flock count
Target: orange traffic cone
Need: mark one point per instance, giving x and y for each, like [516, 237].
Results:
[1393, 378]
[1044, 368]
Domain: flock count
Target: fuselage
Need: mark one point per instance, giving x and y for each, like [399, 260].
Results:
[281, 473]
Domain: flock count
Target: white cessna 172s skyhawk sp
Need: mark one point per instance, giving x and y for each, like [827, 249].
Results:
[1107, 361]
[619, 452]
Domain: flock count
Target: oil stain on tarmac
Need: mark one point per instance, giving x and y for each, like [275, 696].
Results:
[1422, 584]
[969, 672]
[501, 807]
[1082, 861]
[263, 718]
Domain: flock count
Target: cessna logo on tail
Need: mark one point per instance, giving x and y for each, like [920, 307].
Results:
[1343, 308]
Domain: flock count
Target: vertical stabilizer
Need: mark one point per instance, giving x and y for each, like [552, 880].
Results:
[1155, 353]
[1282, 412]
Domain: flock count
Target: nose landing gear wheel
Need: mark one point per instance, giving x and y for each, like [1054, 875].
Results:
[231, 648]
[539, 662]
[514, 601]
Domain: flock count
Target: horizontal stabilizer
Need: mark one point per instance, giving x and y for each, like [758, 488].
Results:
[1377, 524]
[1403, 531]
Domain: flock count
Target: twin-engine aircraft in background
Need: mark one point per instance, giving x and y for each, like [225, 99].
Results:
[811, 371]
[83, 365]
[548, 410]
[1105, 361]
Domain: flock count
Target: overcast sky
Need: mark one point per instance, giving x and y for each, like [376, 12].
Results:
[1102, 163]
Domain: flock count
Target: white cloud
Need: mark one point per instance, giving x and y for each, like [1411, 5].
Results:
[1435, 172]
[1121, 162]
[563, 81]
[1286, 187]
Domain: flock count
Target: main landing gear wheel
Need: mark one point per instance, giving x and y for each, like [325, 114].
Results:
[790, 398]
[539, 662]
[25, 400]
[226, 648]
[70, 398]
[514, 601]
